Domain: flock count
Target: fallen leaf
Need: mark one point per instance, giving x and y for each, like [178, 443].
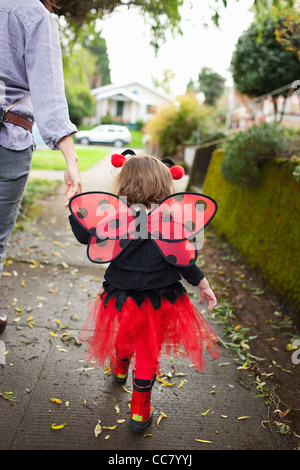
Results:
[98, 429]
[117, 408]
[244, 417]
[59, 348]
[205, 412]
[8, 396]
[202, 440]
[58, 426]
[120, 421]
[161, 416]
[55, 400]
[111, 428]
[107, 369]
[164, 382]
[181, 383]
[53, 291]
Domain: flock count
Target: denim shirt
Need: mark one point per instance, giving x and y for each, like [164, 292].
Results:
[31, 67]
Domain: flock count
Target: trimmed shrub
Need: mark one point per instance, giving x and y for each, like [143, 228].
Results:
[247, 150]
[262, 222]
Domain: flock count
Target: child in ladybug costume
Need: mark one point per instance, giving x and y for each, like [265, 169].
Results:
[147, 235]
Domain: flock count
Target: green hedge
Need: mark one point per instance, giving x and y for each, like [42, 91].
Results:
[262, 222]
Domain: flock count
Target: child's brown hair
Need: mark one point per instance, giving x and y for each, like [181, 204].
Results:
[144, 180]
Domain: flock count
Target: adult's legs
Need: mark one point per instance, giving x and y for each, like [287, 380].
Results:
[14, 171]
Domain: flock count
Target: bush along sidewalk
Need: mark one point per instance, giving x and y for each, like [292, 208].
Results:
[262, 221]
[245, 153]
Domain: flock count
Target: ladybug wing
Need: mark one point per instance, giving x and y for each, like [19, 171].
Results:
[181, 253]
[105, 250]
[175, 222]
[102, 214]
[109, 221]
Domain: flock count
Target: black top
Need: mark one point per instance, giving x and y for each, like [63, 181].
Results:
[140, 270]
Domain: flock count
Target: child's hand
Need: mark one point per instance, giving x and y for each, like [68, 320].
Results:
[208, 294]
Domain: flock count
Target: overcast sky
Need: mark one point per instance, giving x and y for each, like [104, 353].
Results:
[132, 58]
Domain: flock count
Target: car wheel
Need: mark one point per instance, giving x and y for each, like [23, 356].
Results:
[85, 141]
[118, 143]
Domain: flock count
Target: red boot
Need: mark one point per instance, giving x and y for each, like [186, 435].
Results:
[120, 368]
[141, 413]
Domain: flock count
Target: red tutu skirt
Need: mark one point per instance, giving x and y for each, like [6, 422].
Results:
[173, 329]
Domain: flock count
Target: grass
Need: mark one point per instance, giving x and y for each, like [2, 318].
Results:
[54, 160]
[36, 190]
[87, 156]
[137, 140]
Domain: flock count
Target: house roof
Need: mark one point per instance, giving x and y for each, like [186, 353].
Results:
[114, 89]
[115, 93]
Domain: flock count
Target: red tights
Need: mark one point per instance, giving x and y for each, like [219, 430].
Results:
[145, 363]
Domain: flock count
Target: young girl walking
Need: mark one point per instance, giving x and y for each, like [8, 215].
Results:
[142, 309]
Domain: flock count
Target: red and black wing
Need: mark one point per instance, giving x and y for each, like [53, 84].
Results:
[108, 219]
[174, 223]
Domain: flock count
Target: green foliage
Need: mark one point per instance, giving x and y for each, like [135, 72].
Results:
[161, 15]
[176, 123]
[262, 222]
[247, 150]
[78, 65]
[97, 46]
[260, 63]
[81, 103]
[211, 84]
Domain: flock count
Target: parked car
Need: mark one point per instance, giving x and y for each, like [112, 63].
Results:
[105, 134]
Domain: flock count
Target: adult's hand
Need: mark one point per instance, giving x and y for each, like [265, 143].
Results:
[72, 178]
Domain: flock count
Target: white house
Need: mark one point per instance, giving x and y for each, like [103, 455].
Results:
[129, 102]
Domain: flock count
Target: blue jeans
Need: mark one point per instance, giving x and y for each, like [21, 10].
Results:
[14, 171]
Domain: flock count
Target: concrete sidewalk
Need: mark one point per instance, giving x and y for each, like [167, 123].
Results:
[47, 285]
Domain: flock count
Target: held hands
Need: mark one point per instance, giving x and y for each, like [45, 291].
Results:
[206, 293]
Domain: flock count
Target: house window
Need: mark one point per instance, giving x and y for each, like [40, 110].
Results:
[151, 109]
[120, 108]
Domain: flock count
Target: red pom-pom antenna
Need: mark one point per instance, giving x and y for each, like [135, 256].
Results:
[117, 160]
[177, 172]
